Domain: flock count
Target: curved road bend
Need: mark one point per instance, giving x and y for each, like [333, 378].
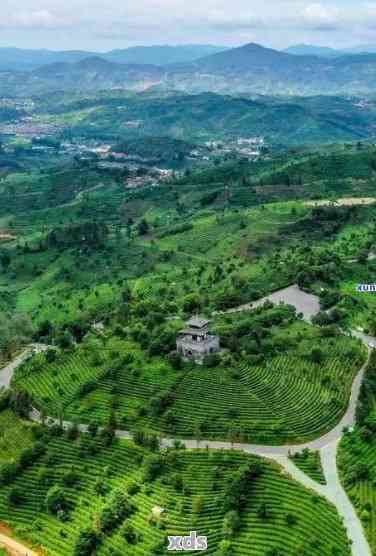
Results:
[327, 446]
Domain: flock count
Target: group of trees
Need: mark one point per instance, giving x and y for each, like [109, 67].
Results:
[235, 495]
[89, 234]
[16, 330]
[27, 457]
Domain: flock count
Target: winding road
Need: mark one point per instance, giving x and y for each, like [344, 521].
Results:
[327, 445]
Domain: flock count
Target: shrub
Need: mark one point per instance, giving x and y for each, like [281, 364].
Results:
[129, 533]
[88, 540]
[15, 496]
[231, 523]
[56, 500]
[153, 466]
[115, 511]
[8, 472]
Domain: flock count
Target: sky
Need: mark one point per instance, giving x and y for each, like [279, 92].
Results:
[100, 26]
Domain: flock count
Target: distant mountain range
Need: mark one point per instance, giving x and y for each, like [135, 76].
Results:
[312, 50]
[249, 69]
[16, 59]
[255, 69]
[327, 52]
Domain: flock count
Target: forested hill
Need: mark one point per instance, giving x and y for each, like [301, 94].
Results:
[248, 69]
[208, 116]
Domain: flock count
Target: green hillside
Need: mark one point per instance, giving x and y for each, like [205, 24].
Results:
[208, 116]
[242, 504]
[357, 457]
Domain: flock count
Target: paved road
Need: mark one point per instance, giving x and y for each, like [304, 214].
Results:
[338, 496]
[305, 303]
[6, 374]
[327, 445]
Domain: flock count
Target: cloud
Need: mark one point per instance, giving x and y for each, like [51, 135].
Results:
[33, 19]
[275, 22]
[316, 16]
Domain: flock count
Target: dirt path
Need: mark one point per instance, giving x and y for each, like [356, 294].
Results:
[12, 546]
[15, 548]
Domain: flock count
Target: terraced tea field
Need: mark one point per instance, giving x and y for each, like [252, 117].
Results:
[357, 457]
[288, 398]
[278, 514]
[357, 463]
[218, 236]
[310, 464]
[285, 400]
[15, 435]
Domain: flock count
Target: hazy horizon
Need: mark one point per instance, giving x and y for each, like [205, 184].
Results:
[186, 44]
[91, 25]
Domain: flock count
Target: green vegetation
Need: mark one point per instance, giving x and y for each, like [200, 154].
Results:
[84, 493]
[310, 463]
[207, 116]
[163, 149]
[357, 456]
[107, 275]
[269, 386]
[15, 435]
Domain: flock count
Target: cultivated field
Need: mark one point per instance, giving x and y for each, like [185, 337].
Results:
[277, 514]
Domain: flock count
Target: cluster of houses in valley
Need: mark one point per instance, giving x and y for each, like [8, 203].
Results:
[22, 104]
[28, 129]
[245, 147]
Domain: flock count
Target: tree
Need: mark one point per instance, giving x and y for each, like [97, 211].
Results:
[8, 472]
[175, 360]
[50, 355]
[93, 429]
[143, 227]
[263, 512]
[20, 402]
[87, 542]
[225, 548]
[115, 511]
[56, 500]
[15, 496]
[231, 523]
[317, 355]
[70, 477]
[128, 533]
[65, 340]
[291, 519]
[153, 466]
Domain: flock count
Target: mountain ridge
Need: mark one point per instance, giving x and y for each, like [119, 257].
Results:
[19, 59]
[248, 69]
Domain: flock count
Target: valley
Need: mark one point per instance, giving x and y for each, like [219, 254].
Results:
[186, 342]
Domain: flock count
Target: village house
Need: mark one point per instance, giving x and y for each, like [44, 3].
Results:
[195, 341]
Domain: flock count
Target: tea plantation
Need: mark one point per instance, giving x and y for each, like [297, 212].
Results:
[357, 457]
[298, 392]
[65, 491]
